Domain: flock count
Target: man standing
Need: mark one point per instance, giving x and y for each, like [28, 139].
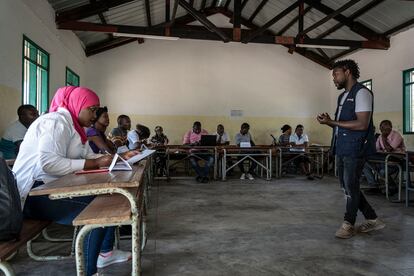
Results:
[353, 140]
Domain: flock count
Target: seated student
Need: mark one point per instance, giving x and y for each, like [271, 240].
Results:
[96, 133]
[299, 141]
[138, 137]
[284, 139]
[118, 135]
[54, 146]
[389, 141]
[224, 140]
[222, 137]
[160, 139]
[244, 137]
[14, 134]
[192, 138]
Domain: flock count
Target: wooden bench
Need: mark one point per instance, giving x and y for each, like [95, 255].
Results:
[31, 229]
[106, 209]
[109, 207]
[112, 210]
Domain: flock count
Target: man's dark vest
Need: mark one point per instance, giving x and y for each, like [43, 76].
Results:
[353, 143]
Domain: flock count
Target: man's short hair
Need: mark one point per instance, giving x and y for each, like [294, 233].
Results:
[245, 125]
[386, 122]
[23, 108]
[299, 126]
[348, 64]
[144, 132]
[121, 117]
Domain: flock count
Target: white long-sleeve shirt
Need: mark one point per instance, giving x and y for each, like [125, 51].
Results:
[51, 149]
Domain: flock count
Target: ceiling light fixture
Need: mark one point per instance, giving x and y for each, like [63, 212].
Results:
[323, 46]
[146, 36]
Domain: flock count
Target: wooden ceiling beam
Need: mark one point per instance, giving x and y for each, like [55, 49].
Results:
[204, 20]
[356, 27]
[271, 22]
[399, 27]
[353, 16]
[237, 20]
[108, 45]
[197, 32]
[257, 10]
[329, 16]
[87, 10]
[148, 12]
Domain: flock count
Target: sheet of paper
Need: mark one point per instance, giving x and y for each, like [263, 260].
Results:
[142, 155]
[121, 165]
[297, 149]
[245, 145]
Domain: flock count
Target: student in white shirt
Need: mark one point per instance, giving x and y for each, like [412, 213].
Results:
[222, 137]
[224, 140]
[244, 137]
[137, 137]
[56, 145]
[299, 142]
[14, 134]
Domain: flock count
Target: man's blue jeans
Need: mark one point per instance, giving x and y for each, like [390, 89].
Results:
[202, 171]
[349, 172]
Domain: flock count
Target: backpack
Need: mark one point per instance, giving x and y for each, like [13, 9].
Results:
[11, 215]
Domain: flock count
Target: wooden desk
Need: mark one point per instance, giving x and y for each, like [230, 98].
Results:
[188, 151]
[317, 153]
[246, 153]
[117, 182]
[387, 162]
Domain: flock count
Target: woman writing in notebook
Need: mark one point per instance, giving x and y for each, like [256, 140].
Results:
[56, 145]
[96, 133]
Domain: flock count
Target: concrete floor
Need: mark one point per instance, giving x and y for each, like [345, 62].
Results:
[282, 227]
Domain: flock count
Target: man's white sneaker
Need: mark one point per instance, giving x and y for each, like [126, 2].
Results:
[116, 256]
[371, 225]
[250, 177]
[243, 176]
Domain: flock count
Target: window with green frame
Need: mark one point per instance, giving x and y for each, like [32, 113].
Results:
[35, 80]
[367, 84]
[72, 78]
[408, 100]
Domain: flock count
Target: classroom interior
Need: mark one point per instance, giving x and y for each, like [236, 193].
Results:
[269, 63]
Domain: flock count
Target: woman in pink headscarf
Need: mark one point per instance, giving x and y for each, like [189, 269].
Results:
[54, 146]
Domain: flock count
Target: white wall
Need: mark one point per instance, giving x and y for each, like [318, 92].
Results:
[174, 83]
[190, 77]
[35, 19]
